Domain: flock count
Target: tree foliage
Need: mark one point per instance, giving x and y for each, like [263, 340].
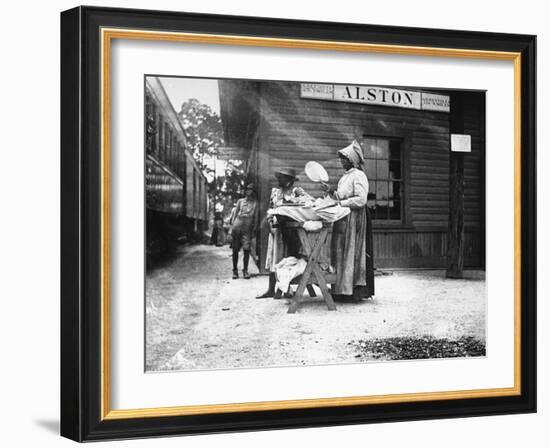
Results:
[203, 127]
[204, 132]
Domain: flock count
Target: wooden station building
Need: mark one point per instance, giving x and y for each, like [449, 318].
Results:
[405, 134]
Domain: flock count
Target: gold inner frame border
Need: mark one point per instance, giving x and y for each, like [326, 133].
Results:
[107, 35]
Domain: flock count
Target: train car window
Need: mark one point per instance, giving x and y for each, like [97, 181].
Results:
[166, 141]
[161, 135]
[154, 142]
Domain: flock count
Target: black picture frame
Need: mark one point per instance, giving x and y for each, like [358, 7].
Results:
[81, 208]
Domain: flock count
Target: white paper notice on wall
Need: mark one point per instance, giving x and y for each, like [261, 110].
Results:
[461, 143]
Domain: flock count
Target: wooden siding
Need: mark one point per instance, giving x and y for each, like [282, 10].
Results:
[420, 249]
[415, 249]
[295, 130]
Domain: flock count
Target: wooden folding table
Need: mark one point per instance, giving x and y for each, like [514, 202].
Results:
[312, 273]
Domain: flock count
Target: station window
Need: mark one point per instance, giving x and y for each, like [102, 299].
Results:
[384, 169]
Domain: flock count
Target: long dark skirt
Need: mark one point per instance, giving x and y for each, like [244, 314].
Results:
[218, 234]
[352, 255]
[370, 256]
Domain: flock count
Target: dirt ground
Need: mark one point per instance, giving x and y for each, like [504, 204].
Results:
[197, 317]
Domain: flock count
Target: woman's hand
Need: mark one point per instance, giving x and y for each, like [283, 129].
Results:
[327, 188]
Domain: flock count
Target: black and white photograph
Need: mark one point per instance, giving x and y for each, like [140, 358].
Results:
[295, 223]
[275, 224]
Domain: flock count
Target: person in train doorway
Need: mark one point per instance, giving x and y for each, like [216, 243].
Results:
[243, 226]
[351, 246]
[218, 232]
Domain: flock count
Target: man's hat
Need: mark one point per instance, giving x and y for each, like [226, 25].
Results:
[290, 172]
[250, 187]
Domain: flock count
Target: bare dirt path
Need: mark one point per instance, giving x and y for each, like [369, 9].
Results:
[199, 318]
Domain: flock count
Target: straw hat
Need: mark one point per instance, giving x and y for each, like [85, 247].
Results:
[290, 172]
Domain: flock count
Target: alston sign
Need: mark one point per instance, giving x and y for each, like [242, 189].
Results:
[380, 96]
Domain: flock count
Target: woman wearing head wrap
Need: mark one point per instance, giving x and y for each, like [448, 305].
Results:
[281, 243]
[351, 248]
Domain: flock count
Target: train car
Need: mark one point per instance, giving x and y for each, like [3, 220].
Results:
[176, 190]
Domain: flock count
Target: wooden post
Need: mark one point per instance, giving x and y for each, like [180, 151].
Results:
[455, 234]
[263, 172]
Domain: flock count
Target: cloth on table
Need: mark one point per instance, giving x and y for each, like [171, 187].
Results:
[333, 213]
[313, 226]
[296, 213]
[320, 210]
[287, 270]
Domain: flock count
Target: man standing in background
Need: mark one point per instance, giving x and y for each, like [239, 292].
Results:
[243, 226]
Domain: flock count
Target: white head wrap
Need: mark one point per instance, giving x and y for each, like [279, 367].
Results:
[354, 153]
